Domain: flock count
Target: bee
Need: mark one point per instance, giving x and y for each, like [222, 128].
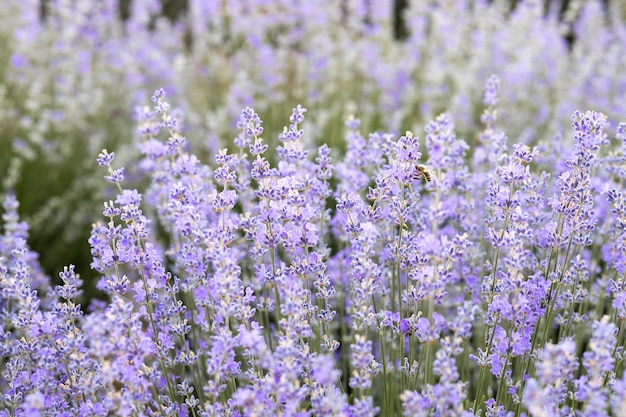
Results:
[422, 171]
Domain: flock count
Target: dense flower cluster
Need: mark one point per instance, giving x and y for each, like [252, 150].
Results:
[476, 268]
[416, 277]
[70, 71]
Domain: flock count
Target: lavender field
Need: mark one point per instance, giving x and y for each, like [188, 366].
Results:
[304, 208]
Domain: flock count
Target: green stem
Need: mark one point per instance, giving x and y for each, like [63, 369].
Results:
[384, 361]
[483, 369]
[156, 337]
[497, 256]
[502, 384]
[618, 342]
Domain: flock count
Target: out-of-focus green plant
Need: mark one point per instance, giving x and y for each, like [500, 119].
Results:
[62, 100]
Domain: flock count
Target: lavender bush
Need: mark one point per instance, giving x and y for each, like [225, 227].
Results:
[387, 283]
[70, 75]
[475, 267]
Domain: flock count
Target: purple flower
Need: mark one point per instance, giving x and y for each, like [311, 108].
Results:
[297, 115]
[105, 158]
[599, 358]
[491, 91]
[116, 176]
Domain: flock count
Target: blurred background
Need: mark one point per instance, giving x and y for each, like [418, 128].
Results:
[73, 71]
